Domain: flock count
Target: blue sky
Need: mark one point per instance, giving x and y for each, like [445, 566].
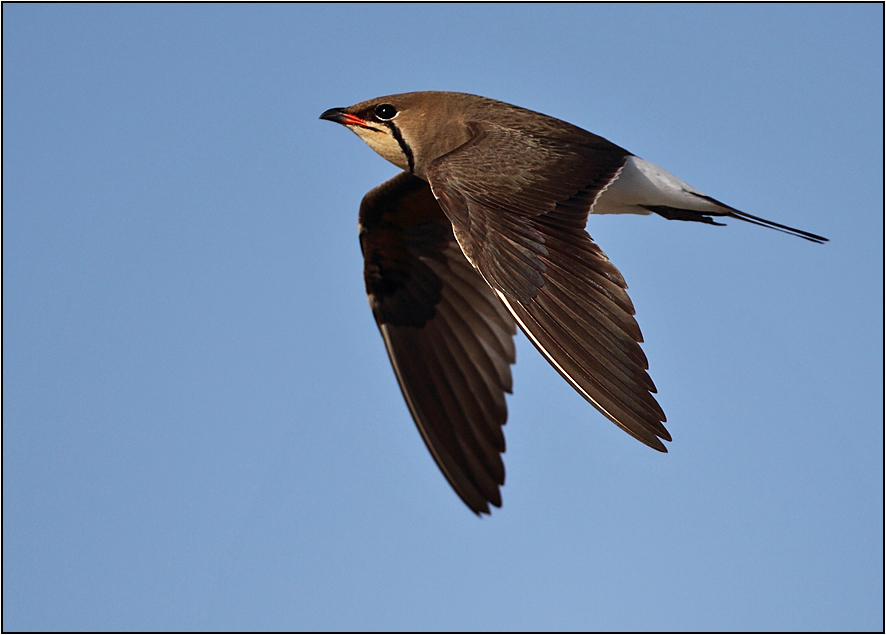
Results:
[201, 429]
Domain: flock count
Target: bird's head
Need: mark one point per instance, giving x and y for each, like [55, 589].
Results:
[411, 129]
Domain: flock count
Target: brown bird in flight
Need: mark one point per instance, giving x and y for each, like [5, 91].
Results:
[485, 229]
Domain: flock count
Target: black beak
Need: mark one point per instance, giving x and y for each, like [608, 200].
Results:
[338, 115]
[334, 114]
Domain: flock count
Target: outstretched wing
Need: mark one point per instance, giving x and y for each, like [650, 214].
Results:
[518, 203]
[449, 338]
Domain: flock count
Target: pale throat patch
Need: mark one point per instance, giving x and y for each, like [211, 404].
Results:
[382, 141]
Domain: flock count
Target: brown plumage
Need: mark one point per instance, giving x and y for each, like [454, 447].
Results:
[485, 229]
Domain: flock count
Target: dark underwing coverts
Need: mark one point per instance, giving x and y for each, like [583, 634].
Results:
[449, 338]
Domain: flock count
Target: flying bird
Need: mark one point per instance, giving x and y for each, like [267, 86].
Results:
[484, 231]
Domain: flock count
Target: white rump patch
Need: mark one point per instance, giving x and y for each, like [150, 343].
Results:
[640, 182]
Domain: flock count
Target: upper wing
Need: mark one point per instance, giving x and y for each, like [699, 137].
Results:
[519, 203]
[449, 338]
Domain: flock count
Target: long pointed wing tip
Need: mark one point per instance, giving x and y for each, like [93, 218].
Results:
[657, 444]
[483, 511]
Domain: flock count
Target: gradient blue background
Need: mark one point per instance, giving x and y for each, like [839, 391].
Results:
[201, 429]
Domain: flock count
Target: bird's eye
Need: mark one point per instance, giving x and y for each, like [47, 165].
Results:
[385, 112]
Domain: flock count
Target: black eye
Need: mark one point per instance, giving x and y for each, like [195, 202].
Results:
[385, 112]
